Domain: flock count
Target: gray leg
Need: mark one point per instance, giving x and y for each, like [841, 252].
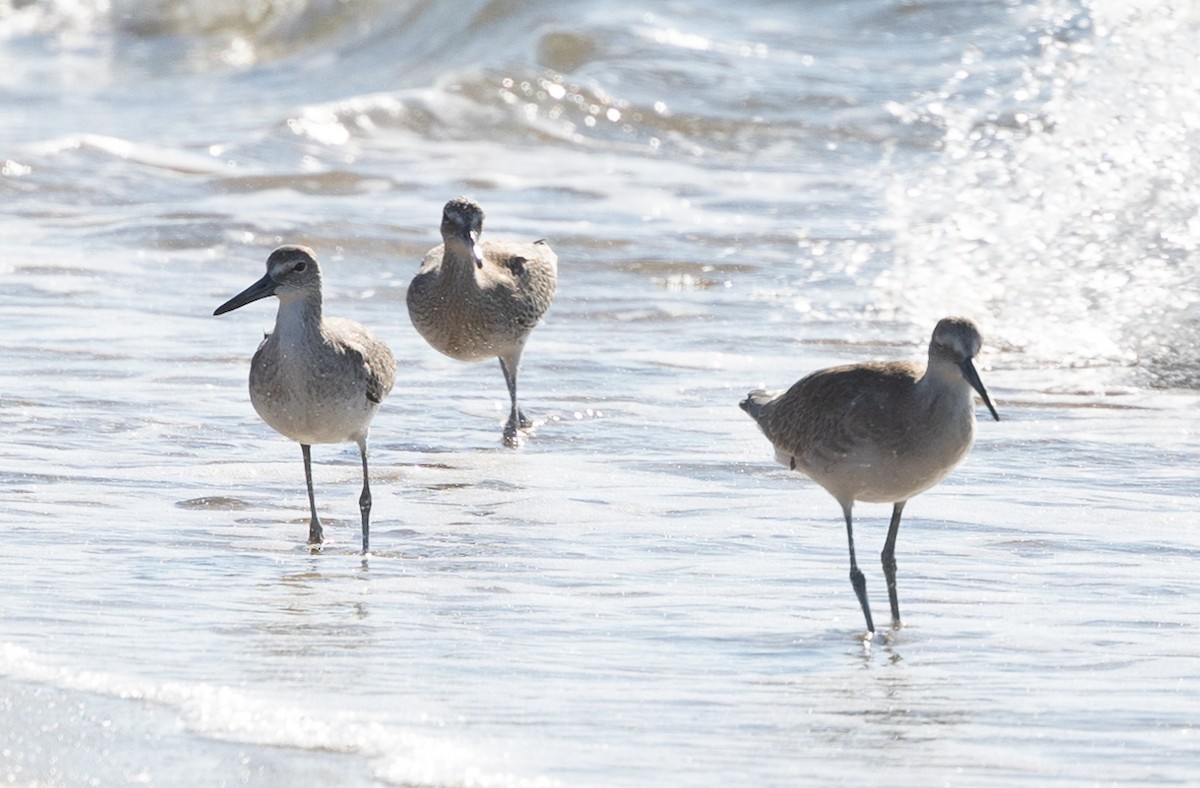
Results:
[856, 576]
[314, 524]
[364, 500]
[516, 419]
[889, 561]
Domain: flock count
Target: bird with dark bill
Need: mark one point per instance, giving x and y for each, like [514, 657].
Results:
[315, 379]
[880, 432]
[473, 300]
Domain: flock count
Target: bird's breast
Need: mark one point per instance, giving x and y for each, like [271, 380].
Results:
[310, 397]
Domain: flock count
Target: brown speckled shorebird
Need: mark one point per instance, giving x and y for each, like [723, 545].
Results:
[879, 432]
[315, 379]
[473, 300]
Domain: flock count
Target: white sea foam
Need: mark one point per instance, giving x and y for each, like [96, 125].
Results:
[1064, 210]
[231, 714]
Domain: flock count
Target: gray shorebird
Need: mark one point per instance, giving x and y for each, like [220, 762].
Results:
[315, 379]
[473, 300]
[879, 432]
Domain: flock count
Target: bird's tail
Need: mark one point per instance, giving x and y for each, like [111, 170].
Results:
[756, 402]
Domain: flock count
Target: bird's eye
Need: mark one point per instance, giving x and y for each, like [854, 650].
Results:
[300, 266]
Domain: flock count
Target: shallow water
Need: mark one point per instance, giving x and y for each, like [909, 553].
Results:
[639, 596]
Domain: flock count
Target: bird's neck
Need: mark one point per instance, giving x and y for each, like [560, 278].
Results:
[459, 258]
[298, 320]
[943, 391]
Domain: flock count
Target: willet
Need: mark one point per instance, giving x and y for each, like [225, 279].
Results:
[315, 379]
[473, 300]
[879, 432]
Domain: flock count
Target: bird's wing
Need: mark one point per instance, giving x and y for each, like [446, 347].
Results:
[370, 355]
[832, 411]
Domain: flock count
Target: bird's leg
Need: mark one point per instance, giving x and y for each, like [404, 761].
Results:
[364, 500]
[888, 556]
[314, 524]
[509, 368]
[856, 576]
[516, 419]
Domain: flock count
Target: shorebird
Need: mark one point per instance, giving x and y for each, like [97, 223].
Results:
[879, 432]
[473, 300]
[315, 379]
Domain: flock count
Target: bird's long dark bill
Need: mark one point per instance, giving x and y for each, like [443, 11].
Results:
[261, 289]
[968, 370]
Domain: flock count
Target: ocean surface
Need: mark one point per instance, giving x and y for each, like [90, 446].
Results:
[739, 194]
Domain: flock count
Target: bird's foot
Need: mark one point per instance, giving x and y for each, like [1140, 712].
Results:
[316, 536]
[513, 437]
[514, 430]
